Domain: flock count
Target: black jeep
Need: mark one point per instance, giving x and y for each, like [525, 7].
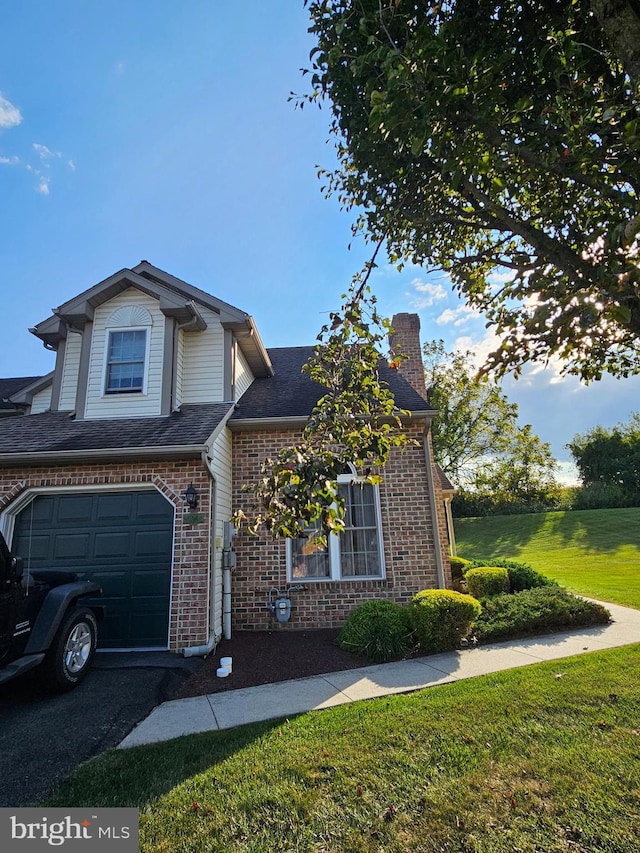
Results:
[44, 619]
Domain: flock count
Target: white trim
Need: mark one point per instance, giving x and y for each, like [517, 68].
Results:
[333, 545]
[8, 518]
[108, 395]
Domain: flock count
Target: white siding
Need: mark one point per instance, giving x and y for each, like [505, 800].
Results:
[221, 469]
[100, 405]
[244, 376]
[69, 384]
[41, 401]
[202, 374]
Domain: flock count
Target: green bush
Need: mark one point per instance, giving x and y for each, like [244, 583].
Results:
[521, 575]
[441, 617]
[458, 567]
[380, 630]
[534, 611]
[485, 581]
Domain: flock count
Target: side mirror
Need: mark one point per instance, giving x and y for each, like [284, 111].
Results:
[17, 567]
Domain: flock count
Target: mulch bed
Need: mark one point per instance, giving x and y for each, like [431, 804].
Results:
[264, 657]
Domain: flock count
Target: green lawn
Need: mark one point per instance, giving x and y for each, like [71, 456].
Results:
[542, 759]
[592, 552]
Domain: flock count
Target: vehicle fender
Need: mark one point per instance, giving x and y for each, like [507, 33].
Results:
[56, 603]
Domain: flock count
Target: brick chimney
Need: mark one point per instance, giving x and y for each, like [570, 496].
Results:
[405, 342]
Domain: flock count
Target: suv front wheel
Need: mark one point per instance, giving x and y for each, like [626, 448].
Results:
[72, 650]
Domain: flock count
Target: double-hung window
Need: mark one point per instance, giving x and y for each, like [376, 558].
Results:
[126, 358]
[354, 554]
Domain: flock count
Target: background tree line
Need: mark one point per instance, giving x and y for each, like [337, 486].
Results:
[501, 467]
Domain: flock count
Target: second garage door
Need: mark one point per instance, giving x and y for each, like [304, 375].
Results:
[123, 541]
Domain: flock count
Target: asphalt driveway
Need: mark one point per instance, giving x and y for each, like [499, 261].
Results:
[43, 736]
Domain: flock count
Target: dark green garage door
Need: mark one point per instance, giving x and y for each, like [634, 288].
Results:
[122, 541]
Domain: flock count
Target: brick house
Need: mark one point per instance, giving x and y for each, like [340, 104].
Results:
[125, 464]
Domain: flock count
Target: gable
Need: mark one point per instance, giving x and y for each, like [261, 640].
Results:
[142, 343]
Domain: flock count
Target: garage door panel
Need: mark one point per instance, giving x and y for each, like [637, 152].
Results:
[77, 509]
[111, 545]
[149, 621]
[151, 583]
[114, 507]
[124, 542]
[149, 506]
[32, 548]
[152, 543]
[71, 546]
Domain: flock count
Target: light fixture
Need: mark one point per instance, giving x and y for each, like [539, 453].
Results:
[191, 497]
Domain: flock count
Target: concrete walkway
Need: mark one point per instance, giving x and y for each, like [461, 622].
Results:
[287, 698]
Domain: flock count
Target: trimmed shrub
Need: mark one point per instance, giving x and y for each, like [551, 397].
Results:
[458, 567]
[380, 630]
[441, 617]
[521, 575]
[534, 611]
[485, 581]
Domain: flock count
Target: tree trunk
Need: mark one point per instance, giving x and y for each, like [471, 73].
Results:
[620, 22]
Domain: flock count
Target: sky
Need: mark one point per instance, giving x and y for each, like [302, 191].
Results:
[164, 131]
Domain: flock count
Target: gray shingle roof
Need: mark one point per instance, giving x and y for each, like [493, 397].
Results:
[12, 386]
[289, 393]
[58, 432]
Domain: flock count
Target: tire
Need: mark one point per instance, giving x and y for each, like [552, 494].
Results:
[71, 653]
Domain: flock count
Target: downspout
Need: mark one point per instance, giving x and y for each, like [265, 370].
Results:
[212, 642]
[434, 510]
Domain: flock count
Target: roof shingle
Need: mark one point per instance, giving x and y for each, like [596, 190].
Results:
[289, 393]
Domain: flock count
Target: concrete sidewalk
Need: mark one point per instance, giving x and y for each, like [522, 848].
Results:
[252, 704]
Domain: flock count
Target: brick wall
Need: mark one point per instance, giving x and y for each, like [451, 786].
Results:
[190, 577]
[408, 535]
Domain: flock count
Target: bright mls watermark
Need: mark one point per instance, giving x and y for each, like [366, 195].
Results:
[33, 829]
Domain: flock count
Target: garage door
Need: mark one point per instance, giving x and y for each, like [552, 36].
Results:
[122, 541]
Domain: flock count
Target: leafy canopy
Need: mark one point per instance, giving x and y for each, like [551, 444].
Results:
[610, 457]
[355, 423]
[476, 437]
[499, 142]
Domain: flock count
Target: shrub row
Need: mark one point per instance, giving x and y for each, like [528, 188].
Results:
[516, 600]
[436, 620]
[535, 611]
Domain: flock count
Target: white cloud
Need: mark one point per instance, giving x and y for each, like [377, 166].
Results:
[10, 115]
[456, 316]
[45, 153]
[43, 186]
[567, 474]
[429, 294]
[9, 161]
[71, 165]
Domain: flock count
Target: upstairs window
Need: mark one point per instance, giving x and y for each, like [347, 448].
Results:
[126, 357]
[354, 554]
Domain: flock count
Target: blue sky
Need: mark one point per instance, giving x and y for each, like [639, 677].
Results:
[162, 131]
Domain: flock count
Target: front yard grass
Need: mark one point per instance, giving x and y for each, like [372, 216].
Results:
[544, 759]
[591, 552]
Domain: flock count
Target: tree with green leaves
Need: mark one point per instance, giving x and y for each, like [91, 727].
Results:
[355, 422]
[499, 142]
[609, 460]
[476, 436]
[474, 420]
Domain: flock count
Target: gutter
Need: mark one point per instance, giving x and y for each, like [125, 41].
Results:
[296, 421]
[174, 451]
[434, 510]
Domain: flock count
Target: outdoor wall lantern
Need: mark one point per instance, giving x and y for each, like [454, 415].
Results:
[191, 497]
